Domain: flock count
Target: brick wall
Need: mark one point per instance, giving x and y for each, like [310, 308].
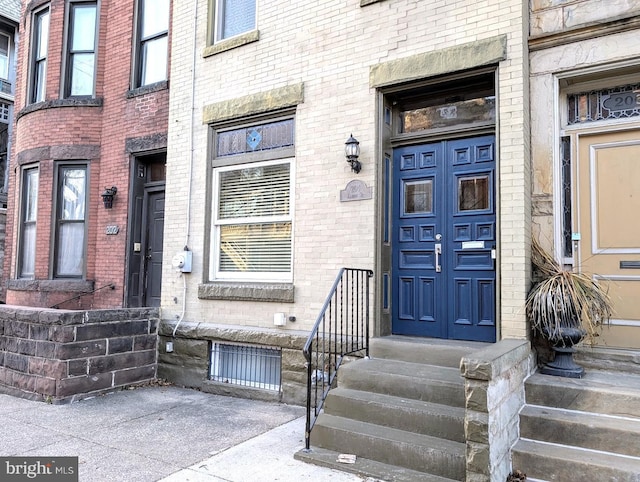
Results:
[61, 356]
[95, 130]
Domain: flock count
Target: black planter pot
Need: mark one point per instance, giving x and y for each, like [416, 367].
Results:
[563, 348]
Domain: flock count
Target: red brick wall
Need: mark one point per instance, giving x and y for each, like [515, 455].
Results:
[104, 127]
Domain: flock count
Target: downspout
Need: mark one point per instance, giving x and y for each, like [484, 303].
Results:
[191, 161]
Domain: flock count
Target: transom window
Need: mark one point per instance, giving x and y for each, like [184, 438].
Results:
[613, 103]
[81, 49]
[233, 17]
[252, 202]
[153, 47]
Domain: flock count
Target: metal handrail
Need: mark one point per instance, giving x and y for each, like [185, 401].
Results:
[341, 329]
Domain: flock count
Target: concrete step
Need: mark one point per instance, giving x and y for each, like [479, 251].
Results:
[413, 451]
[599, 392]
[429, 383]
[608, 359]
[366, 467]
[417, 350]
[553, 462]
[581, 429]
[401, 413]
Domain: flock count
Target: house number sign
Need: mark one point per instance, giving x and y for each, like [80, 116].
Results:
[111, 230]
[622, 100]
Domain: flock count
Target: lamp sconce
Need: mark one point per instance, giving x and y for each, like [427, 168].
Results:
[352, 151]
[107, 196]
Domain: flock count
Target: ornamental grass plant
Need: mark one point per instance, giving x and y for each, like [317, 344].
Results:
[562, 298]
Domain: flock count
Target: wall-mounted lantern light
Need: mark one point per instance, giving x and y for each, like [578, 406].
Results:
[107, 196]
[352, 151]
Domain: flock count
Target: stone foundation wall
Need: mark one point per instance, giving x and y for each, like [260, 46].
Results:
[494, 391]
[188, 363]
[62, 355]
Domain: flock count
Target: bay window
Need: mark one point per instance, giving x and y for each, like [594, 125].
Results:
[81, 49]
[27, 250]
[39, 51]
[71, 201]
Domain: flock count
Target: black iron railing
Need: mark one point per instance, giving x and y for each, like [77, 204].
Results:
[341, 329]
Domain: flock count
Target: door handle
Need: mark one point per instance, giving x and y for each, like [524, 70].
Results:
[438, 251]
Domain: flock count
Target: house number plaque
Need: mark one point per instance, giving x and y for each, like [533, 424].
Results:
[111, 230]
[356, 190]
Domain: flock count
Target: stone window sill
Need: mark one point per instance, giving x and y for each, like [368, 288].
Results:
[231, 43]
[76, 286]
[148, 89]
[58, 103]
[272, 292]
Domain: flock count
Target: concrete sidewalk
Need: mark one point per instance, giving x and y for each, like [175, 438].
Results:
[164, 433]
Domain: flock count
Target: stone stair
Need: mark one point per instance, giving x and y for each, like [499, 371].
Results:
[401, 412]
[581, 429]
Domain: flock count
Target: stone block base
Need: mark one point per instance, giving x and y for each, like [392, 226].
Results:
[62, 355]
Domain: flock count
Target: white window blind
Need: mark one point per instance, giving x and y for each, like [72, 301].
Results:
[253, 221]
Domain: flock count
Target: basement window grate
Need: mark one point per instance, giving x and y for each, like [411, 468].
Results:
[247, 366]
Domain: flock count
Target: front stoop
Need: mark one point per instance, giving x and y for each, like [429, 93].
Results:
[400, 412]
[581, 429]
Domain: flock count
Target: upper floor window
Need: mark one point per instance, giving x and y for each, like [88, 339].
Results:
[71, 201]
[81, 49]
[5, 42]
[233, 17]
[29, 208]
[153, 35]
[40, 46]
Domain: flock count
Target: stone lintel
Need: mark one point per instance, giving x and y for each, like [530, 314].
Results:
[488, 363]
[261, 102]
[452, 59]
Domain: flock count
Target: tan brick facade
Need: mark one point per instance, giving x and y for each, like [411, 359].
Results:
[332, 49]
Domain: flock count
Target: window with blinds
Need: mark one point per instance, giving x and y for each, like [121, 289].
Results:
[252, 192]
[253, 221]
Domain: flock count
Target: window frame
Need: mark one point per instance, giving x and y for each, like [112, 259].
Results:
[216, 25]
[25, 190]
[139, 57]
[278, 155]
[37, 94]
[69, 53]
[58, 222]
[8, 57]
[216, 274]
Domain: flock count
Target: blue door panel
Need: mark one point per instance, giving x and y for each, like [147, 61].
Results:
[406, 299]
[443, 197]
[462, 311]
[426, 300]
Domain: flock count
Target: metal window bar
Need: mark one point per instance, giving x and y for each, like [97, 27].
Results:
[247, 366]
[341, 329]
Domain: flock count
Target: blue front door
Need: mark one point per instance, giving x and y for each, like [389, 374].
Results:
[444, 234]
